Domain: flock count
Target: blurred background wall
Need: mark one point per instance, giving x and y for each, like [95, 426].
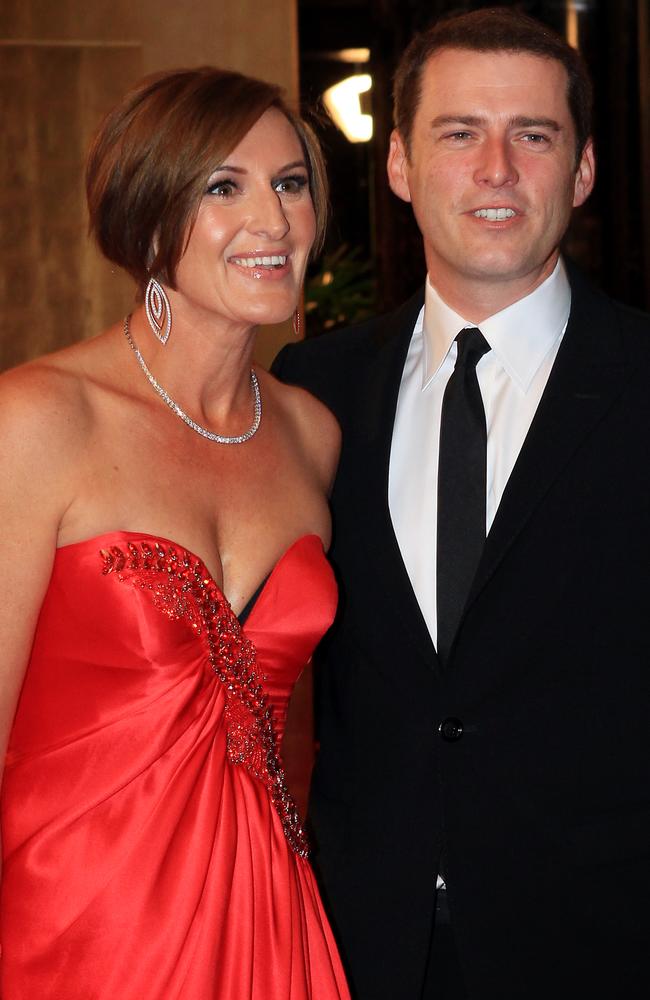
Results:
[62, 66]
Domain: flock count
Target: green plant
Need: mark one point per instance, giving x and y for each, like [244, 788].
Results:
[342, 291]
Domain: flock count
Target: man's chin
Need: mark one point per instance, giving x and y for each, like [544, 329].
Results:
[503, 270]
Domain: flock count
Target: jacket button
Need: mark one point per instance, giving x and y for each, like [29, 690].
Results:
[451, 729]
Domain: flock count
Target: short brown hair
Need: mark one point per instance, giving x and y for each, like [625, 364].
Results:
[152, 156]
[496, 29]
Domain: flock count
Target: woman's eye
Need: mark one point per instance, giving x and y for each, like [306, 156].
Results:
[222, 189]
[291, 185]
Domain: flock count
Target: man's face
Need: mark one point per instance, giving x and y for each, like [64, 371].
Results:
[491, 172]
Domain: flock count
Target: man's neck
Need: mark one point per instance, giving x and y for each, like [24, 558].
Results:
[477, 300]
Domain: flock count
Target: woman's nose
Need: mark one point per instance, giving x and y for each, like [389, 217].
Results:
[268, 216]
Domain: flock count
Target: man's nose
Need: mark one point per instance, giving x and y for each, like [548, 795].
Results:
[496, 163]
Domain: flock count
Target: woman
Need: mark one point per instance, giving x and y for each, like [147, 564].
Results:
[156, 489]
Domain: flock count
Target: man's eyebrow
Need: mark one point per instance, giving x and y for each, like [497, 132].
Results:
[521, 121]
[457, 120]
[516, 121]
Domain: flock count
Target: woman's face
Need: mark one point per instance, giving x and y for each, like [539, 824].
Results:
[246, 257]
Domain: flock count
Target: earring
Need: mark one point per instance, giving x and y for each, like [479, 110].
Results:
[158, 310]
[297, 322]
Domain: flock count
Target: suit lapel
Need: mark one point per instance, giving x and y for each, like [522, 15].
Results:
[376, 405]
[586, 378]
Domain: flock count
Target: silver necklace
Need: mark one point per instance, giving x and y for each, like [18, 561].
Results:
[203, 431]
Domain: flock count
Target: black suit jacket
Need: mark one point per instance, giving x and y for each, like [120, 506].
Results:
[543, 803]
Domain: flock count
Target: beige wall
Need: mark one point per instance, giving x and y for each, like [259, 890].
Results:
[62, 65]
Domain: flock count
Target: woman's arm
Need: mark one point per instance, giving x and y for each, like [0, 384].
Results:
[35, 428]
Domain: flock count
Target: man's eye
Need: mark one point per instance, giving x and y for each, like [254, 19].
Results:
[535, 138]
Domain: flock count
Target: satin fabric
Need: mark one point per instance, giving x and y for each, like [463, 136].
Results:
[140, 862]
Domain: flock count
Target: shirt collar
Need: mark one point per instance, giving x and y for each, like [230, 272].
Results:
[520, 335]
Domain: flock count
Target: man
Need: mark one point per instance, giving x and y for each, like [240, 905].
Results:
[481, 800]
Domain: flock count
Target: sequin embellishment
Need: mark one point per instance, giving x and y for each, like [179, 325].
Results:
[182, 588]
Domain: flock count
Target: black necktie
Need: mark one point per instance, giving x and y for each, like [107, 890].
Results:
[461, 486]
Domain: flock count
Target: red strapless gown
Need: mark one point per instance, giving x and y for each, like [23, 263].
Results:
[151, 849]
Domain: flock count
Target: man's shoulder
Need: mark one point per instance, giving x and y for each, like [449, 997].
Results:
[336, 354]
[635, 321]
[605, 310]
[334, 344]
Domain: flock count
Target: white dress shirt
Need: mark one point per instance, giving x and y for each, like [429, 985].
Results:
[524, 341]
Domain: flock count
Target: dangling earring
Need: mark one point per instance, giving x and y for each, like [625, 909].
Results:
[158, 310]
[296, 322]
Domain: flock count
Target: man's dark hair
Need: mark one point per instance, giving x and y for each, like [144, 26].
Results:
[496, 29]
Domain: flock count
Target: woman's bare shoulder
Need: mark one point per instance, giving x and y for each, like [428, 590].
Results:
[45, 396]
[45, 408]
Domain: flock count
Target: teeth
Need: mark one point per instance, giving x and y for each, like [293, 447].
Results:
[276, 260]
[494, 214]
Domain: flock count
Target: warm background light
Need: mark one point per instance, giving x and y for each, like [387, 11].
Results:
[342, 102]
[353, 55]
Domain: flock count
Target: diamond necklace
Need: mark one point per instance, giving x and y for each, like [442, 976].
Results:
[203, 431]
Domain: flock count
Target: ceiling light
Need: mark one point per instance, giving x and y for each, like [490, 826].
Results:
[343, 103]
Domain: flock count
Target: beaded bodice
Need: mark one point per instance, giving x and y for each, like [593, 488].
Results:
[181, 588]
